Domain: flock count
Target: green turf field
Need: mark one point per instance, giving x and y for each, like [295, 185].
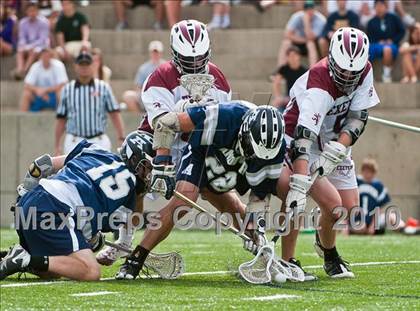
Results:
[378, 285]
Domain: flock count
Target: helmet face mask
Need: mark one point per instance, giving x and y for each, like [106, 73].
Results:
[348, 58]
[191, 64]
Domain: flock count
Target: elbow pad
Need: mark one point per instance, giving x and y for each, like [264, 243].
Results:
[301, 145]
[355, 124]
[166, 127]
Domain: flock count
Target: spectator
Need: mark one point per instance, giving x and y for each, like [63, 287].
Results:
[288, 73]
[82, 110]
[43, 83]
[121, 6]
[32, 38]
[173, 11]
[221, 14]
[72, 32]
[340, 18]
[410, 53]
[303, 30]
[50, 9]
[385, 31]
[373, 195]
[364, 9]
[101, 71]
[396, 7]
[7, 31]
[132, 98]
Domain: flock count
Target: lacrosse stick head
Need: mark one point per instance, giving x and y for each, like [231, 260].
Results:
[257, 271]
[291, 271]
[166, 266]
[197, 85]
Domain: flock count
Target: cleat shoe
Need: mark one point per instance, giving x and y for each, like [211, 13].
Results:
[338, 268]
[129, 270]
[308, 276]
[317, 246]
[16, 260]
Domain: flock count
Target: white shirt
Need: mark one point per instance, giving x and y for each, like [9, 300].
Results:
[39, 76]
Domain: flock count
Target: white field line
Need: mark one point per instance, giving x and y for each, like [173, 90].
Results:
[360, 264]
[93, 294]
[272, 297]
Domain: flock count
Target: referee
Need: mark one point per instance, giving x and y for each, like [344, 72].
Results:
[82, 111]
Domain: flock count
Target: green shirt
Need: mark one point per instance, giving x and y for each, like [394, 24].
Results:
[71, 27]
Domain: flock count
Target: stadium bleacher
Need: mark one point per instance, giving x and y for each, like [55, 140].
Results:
[247, 54]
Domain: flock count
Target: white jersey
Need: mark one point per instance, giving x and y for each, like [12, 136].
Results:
[318, 105]
[162, 90]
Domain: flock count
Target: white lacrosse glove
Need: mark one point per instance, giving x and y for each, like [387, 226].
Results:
[334, 153]
[183, 104]
[163, 179]
[257, 241]
[108, 255]
[296, 197]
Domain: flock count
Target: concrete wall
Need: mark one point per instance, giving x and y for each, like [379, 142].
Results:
[26, 136]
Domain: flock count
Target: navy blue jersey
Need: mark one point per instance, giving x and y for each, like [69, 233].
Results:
[97, 179]
[212, 158]
[372, 195]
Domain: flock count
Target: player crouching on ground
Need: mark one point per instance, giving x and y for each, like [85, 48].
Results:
[233, 145]
[327, 114]
[89, 178]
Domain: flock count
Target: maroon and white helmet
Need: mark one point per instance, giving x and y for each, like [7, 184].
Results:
[348, 57]
[190, 44]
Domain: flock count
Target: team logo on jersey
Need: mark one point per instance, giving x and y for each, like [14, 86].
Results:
[316, 118]
[157, 105]
[188, 170]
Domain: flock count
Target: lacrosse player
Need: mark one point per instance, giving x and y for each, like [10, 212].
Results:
[162, 91]
[87, 180]
[233, 145]
[326, 115]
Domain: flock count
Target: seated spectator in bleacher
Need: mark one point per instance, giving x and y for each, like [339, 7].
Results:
[303, 30]
[363, 9]
[33, 36]
[7, 31]
[50, 9]
[43, 83]
[221, 14]
[288, 73]
[396, 7]
[385, 31]
[72, 32]
[132, 98]
[340, 18]
[410, 54]
[121, 7]
[101, 71]
[373, 195]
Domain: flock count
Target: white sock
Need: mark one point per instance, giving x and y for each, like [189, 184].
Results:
[125, 236]
[226, 21]
[216, 20]
[387, 71]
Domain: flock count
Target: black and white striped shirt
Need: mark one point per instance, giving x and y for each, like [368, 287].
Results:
[86, 106]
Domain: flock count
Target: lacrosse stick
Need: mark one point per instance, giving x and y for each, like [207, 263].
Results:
[197, 85]
[167, 265]
[268, 255]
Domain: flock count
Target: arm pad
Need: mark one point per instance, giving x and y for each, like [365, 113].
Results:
[302, 143]
[166, 126]
[355, 123]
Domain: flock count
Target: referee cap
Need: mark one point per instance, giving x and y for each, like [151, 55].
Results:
[84, 58]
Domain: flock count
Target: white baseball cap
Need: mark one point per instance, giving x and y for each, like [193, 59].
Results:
[155, 46]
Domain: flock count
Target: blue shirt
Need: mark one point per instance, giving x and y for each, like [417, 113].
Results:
[372, 195]
[216, 133]
[388, 27]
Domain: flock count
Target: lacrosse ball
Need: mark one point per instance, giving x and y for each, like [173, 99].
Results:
[279, 278]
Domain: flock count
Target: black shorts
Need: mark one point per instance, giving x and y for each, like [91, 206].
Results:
[140, 2]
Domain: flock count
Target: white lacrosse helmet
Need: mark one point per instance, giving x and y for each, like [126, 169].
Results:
[190, 45]
[261, 133]
[348, 57]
